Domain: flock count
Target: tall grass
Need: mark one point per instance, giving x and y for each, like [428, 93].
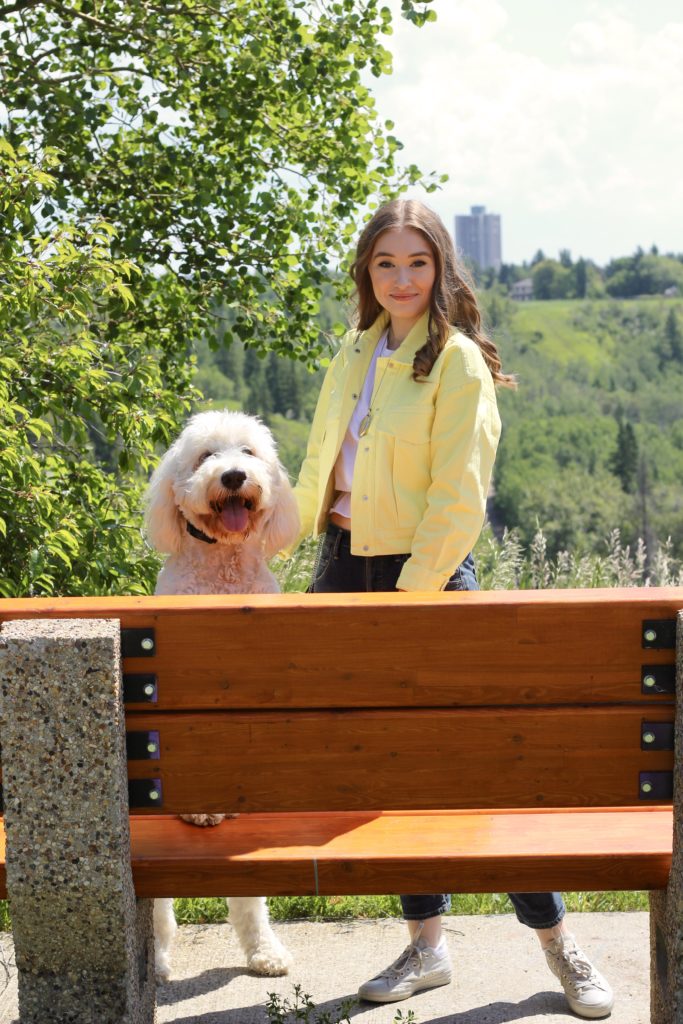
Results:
[505, 564]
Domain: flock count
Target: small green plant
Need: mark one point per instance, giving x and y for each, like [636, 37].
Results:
[281, 1010]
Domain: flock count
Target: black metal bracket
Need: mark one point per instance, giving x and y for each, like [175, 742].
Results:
[659, 634]
[142, 746]
[658, 679]
[656, 786]
[145, 793]
[140, 689]
[138, 643]
[657, 736]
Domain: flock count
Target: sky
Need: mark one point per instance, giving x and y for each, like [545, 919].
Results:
[564, 118]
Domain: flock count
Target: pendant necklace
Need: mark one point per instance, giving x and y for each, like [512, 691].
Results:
[364, 424]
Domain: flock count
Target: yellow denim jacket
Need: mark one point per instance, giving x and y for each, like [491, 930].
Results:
[423, 468]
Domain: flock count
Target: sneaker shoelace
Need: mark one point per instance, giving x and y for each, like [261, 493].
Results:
[577, 968]
[400, 965]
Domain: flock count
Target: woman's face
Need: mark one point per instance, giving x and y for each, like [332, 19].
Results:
[402, 272]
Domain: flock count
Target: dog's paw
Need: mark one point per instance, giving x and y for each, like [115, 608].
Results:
[270, 960]
[162, 967]
[203, 819]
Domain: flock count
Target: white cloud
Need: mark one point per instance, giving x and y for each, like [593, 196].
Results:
[572, 135]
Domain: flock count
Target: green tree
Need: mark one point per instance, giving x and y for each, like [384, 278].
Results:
[74, 367]
[231, 144]
[674, 336]
[580, 278]
[552, 280]
[624, 461]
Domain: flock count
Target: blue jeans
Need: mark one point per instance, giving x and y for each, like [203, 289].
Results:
[337, 571]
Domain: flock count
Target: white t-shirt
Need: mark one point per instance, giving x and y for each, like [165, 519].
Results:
[343, 467]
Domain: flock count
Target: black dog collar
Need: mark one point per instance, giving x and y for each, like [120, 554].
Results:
[198, 534]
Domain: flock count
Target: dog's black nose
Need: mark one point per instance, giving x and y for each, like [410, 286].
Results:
[233, 479]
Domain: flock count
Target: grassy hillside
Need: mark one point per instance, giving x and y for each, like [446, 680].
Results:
[593, 438]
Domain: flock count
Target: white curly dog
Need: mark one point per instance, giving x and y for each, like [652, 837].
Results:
[220, 505]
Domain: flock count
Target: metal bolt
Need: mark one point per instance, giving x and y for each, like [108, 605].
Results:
[152, 747]
[153, 794]
[147, 644]
[149, 690]
[646, 787]
[650, 635]
[649, 681]
[648, 737]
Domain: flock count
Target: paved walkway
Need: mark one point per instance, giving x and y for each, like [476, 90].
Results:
[500, 974]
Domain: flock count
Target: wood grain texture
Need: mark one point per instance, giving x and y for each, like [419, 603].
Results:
[399, 759]
[393, 853]
[357, 853]
[372, 650]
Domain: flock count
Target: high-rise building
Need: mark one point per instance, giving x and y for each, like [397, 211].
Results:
[477, 235]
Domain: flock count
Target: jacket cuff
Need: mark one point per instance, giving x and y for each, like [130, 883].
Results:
[413, 577]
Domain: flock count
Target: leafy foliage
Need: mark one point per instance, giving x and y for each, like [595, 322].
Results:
[231, 144]
[77, 377]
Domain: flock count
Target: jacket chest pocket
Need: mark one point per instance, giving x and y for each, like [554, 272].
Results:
[412, 423]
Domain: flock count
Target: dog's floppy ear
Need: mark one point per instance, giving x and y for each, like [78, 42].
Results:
[163, 521]
[282, 526]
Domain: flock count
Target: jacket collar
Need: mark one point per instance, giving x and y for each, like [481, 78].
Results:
[412, 343]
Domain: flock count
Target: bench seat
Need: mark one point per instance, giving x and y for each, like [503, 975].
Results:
[347, 853]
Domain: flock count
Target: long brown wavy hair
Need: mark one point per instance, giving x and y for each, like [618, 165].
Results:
[453, 302]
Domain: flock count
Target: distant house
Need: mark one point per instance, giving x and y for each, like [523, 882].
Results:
[522, 290]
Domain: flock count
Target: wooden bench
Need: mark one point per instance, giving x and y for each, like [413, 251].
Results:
[472, 742]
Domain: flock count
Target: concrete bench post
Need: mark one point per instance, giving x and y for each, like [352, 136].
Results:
[84, 947]
[666, 907]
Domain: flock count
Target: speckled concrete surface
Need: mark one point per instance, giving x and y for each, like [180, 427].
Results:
[500, 976]
[75, 916]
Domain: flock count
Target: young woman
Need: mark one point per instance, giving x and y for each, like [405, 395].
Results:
[396, 475]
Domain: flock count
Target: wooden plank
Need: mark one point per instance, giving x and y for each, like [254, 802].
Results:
[399, 759]
[337, 854]
[385, 650]
[366, 853]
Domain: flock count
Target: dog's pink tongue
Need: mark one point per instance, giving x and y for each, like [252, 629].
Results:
[234, 516]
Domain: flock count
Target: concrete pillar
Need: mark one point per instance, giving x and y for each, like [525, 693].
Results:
[84, 946]
[666, 907]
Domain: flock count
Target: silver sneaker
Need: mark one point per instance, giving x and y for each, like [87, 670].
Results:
[587, 992]
[418, 967]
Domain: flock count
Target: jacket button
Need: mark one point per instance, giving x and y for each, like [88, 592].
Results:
[354, 395]
[365, 547]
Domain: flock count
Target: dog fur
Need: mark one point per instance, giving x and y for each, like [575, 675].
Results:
[223, 478]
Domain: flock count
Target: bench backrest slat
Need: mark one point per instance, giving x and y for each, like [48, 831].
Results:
[399, 759]
[369, 650]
